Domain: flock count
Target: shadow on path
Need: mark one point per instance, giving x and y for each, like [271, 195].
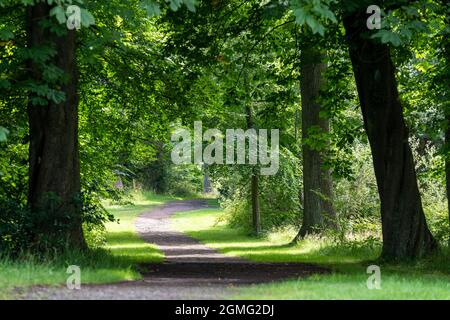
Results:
[191, 270]
[189, 262]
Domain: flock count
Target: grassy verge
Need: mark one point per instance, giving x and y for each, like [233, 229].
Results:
[116, 261]
[122, 240]
[428, 279]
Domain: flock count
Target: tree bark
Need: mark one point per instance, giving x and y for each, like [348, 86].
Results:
[446, 53]
[206, 181]
[447, 166]
[256, 212]
[405, 231]
[54, 166]
[318, 211]
[254, 189]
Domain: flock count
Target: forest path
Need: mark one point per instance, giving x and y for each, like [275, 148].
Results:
[191, 270]
[155, 227]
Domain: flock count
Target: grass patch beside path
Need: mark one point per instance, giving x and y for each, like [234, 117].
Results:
[122, 240]
[115, 262]
[428, 279]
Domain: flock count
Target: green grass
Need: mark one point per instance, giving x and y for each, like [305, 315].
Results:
[428, 279]
[122, 240]
[117, 261]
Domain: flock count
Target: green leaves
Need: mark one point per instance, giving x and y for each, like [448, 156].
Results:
[315, 14]
[403, 25]
[40, 55]
[4, 84]
[3, 134]
[153, 7]
[317, 139]
[387, 36]
[59, 13]
[6, 34]
[87, 19]
[42, 94]
[174, 4]
[66, 10]
[190, 4]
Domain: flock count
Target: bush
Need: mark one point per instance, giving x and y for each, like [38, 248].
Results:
[15, 232]
[46, 229]
[278, 196]
[163, 177]
[356, 197]
[430, 175]
[95, 235]
[185, 180]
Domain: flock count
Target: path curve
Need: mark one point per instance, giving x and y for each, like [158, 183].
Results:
[191, 270]
[155, 227]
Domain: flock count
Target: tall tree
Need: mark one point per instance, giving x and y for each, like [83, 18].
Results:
[54, 167]
[446, 83]
[405, 231]
[447, 164]
[318, 210]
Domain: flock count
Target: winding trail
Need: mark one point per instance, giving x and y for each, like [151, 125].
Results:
[191, 270]
[155, 227]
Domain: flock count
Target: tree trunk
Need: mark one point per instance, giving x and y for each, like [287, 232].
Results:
[447, 167]
[405, 231]
[206, 181]
[54, 166]
[256, 212]
[446, 53]
[318, 211]
[158, 176]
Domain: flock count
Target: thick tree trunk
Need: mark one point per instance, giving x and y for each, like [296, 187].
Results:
[447, 166]
[405, 231]
[446, 53]
[318, 211]
[54, 166]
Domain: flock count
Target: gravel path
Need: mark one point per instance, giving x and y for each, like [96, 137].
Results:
[191, 270]
[155, 227]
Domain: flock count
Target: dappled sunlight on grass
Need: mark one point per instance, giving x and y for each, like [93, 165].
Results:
[140, 200]
[122, 239]
[203, 225]
[426, 279]
[351, 284]
[117, 261]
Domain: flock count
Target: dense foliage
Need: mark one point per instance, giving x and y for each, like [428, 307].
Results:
[148, 67]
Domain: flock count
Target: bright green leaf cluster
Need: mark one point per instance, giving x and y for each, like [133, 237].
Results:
[315, 14]
[62, 12]
[403, 25]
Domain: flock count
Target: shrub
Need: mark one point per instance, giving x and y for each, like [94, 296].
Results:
[45, 229]
[278, 194]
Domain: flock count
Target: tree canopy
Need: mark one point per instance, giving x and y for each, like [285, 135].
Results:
[92, 90]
